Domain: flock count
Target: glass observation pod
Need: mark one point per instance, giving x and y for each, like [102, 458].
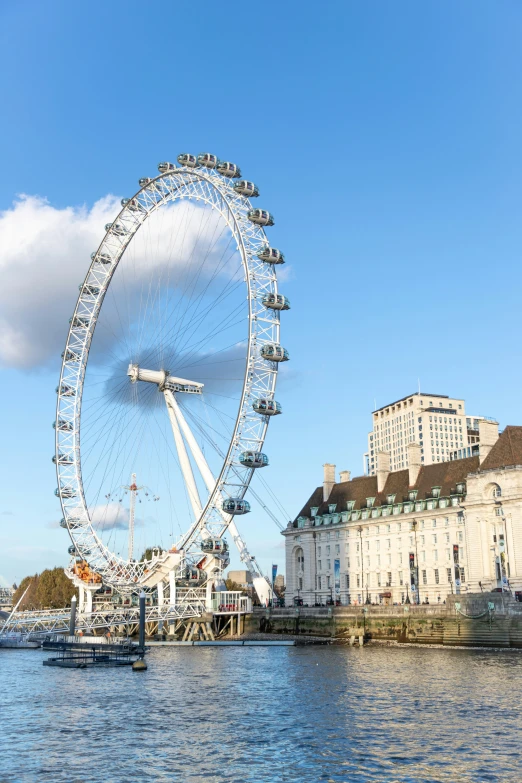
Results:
[103, 258]
[89, 290]
[228, 169]
[271, 255]
[144, 181]
[70, 356]
[116, 228]
[214, 545]
[276, 302]
[73, 551]
[246, 188]
[208, 160]
[274, 352]
[63, 459]
[236, 506]
[260, 217]
[191, 576]
[166, 166]
[65, 492]
[132, 204]
[186, 159]
[253, 459]
[77, 322]
[65, 390]
[63, 426]
[267, 407]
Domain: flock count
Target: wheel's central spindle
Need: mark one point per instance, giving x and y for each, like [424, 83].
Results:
[164, 380]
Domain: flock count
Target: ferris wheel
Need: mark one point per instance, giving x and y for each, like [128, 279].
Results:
[170, 367]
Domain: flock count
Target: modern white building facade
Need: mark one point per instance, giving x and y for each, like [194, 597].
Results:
[415, 534]
[436, 422]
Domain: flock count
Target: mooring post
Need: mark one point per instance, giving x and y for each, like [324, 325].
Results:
[141, 641]
[72, 619]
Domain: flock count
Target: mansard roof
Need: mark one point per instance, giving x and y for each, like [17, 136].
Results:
[445, 475]
[507, 450]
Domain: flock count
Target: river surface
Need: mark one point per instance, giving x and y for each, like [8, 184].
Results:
[263, 715]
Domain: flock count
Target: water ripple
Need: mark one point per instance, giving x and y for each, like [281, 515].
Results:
[265, 715]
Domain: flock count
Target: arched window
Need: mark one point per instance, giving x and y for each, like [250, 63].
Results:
[497, 492]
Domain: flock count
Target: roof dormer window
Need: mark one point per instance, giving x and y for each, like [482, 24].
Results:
[390, 499]
[461, 488]
[412, 494]
[350, 505]
[314, 510]
[332, 507]
[370, 502]
[435, 492]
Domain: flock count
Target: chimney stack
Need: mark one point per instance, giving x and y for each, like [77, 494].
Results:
[328, 480]
[488, 436]
[344, 475]
[414, 462]
[383, 469]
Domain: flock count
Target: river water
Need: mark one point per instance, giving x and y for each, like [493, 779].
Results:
[256, 715]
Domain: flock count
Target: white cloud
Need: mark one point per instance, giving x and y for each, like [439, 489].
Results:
[112, 516]
[46, 253]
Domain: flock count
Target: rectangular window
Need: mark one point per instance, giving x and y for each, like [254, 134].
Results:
[319, 568]
[449, 574]
[436, 576]
[328, 581]
[400, 579]
[389, 579]
[424, 578]
[462, 575]
[378, 580]
[347, 581]
[358, 580]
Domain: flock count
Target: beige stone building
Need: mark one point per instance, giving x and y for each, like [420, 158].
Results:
[422, 531]
[436, 422]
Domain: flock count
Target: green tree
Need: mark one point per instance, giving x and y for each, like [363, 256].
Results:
[51, 589]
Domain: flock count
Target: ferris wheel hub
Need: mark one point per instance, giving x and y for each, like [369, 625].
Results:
[164, 380]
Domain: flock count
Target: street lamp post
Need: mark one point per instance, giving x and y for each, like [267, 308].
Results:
[414, 525]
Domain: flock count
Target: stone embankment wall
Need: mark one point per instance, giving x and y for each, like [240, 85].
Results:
[483, 620]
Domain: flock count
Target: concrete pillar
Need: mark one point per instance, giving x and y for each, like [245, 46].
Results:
[414, 462]
[160, 593]
[328, 480]
[383, 469]
[172, 586]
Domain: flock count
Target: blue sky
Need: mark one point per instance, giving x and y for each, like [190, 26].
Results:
[385, 137]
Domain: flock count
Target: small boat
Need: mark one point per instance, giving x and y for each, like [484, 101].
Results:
[18, 641]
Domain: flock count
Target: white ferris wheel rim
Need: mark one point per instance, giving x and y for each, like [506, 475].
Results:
[214, 190]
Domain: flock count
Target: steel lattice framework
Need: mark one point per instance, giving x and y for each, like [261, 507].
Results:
[213, 190]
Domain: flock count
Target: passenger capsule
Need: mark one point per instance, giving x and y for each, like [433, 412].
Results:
[274, 353]
[77, 322]
[246, 188]
[276, 302]
[63, 523]
[74, 523]
[144, 181]
[63, 459]
[191, 576]
[214, 545]
[228, 169]
[164, 167]
[70, 356]
[236, 506]
[186, 159]
[102, 258]
[208, 160]
[267, 407]
[65, 492]
[89, 290]
[253, 459]
[260, 217]
[132, 204]
[271, 255]
[63, 426]
[116, 228]
[65, 390]
[72, 549]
